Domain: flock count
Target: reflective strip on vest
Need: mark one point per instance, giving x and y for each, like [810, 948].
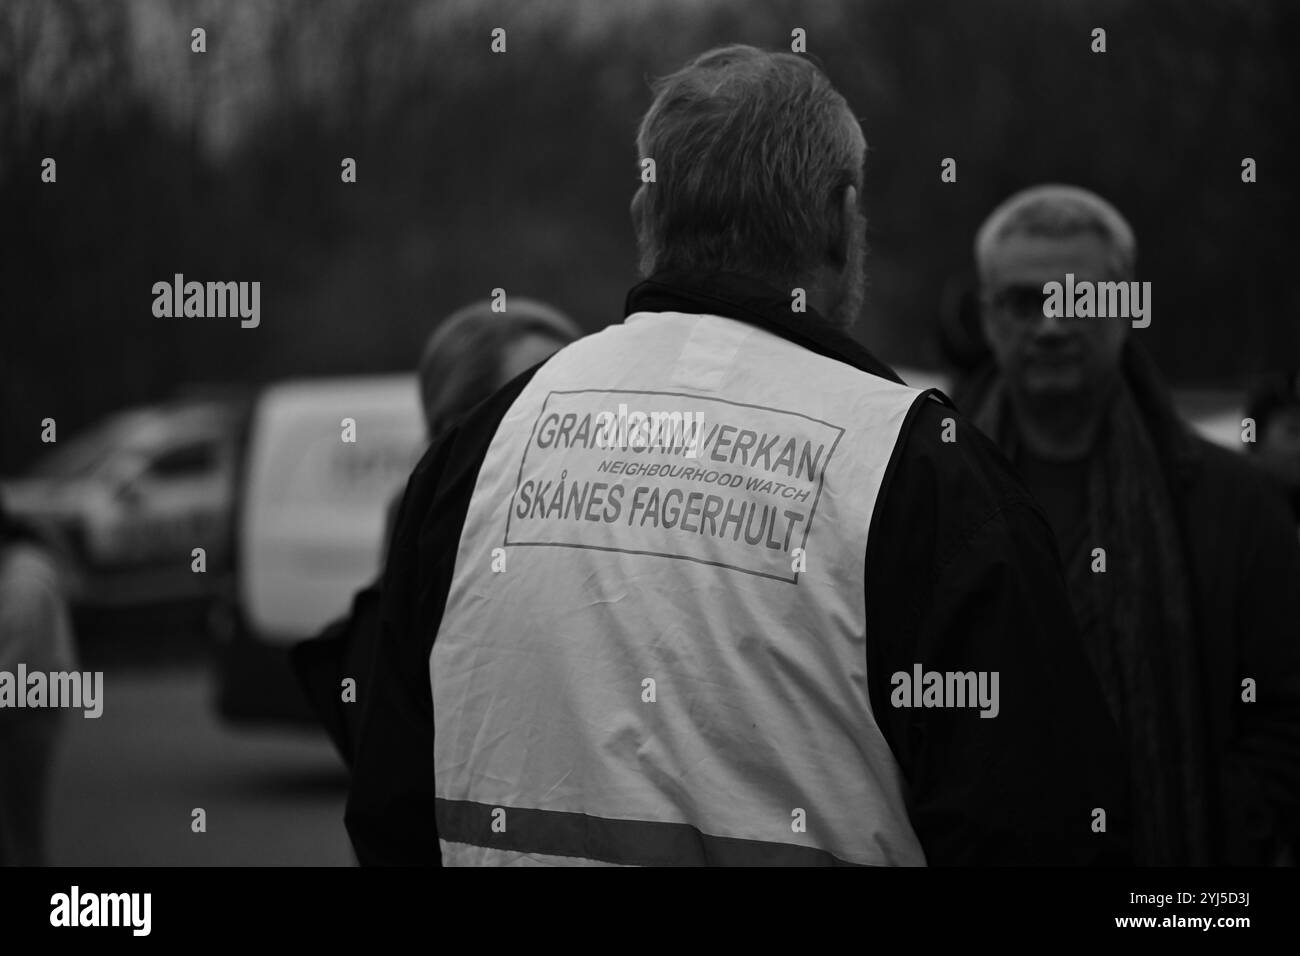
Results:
[654, 646]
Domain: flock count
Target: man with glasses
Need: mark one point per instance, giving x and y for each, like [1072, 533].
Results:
[1182, 571]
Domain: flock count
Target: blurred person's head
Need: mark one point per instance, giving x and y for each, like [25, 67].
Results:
[1035, 237]
[9, 528]
[14, 530]
[475, 351]
[758, 171]
[1275, 407]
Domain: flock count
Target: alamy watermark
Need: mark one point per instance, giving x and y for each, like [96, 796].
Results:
[217, 300]
[75, 909]
[948, 689]
[53, 689]
[676, 432]
[1085, 299]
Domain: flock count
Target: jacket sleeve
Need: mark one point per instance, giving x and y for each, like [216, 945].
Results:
[319, 665]
[390, 809]
[1263, 760]
[977, 586]
[389, 814]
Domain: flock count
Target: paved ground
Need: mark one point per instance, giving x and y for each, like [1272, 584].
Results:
[125, 784]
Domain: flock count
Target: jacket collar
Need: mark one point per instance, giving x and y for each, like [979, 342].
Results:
[739, 297]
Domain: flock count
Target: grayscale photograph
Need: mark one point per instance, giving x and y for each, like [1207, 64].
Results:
[649, 433]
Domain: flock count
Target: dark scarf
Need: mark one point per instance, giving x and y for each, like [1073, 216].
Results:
[1137, 619]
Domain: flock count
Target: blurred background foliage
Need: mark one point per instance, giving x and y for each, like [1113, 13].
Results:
[478, 170]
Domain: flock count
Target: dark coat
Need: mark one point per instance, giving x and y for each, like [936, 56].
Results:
[1245, 565]
[344, 649]
[961, 574]
[1239, 539]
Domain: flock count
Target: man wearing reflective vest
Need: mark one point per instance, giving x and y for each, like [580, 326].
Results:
[712, 586]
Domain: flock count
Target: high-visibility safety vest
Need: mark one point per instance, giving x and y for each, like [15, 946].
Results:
[654, 646]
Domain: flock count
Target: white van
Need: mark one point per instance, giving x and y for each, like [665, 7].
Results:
[325, 460]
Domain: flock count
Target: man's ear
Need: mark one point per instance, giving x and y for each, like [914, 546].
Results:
[983, 310]
[845, 212]
[645, 257]
[637, 209]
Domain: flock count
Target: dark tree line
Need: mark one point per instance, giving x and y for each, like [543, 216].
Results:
[478, 170]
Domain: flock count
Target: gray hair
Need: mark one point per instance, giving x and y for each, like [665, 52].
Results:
[752, 152]
[1058, 211]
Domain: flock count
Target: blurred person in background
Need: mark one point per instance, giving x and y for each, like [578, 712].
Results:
[35, 630]
[476, 351]
[1200, 590]
[774, 692]
[1275, 407]
[471, 354]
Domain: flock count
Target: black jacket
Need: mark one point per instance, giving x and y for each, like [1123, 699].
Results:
[1240, 545]
[1245, 565]
[961, 574]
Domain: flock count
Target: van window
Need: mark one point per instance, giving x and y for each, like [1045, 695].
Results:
[185, 461]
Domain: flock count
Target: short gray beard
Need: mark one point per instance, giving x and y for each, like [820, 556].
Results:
[849, 309]
[853, 291]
